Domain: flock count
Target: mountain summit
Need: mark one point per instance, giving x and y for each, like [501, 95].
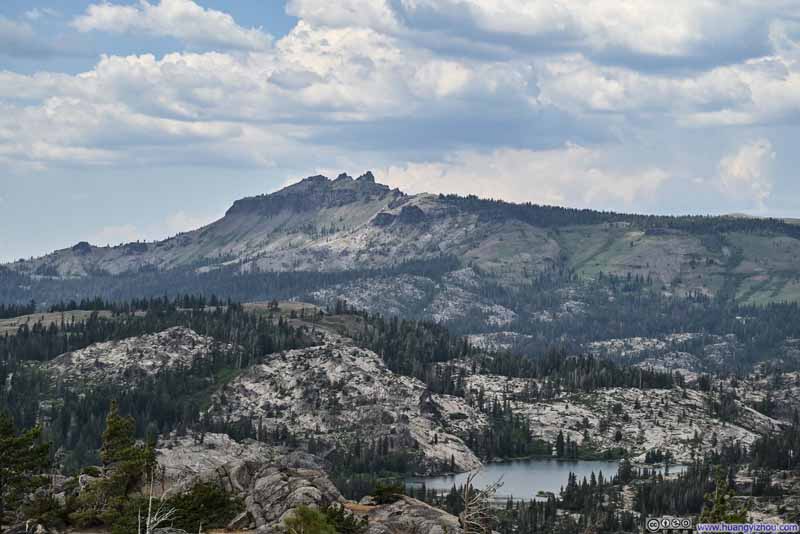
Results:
[313, 193]
[357, 225]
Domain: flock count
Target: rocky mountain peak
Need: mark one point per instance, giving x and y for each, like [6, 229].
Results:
[367, 177]
[314, 193]
[82, 248]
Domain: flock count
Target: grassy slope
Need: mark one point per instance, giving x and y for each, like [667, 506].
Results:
[758, 269]
[10, 326]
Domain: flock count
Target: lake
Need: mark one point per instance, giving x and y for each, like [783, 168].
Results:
[523, 479]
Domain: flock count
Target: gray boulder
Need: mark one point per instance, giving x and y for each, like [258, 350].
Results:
[272, 482]
[411, 516]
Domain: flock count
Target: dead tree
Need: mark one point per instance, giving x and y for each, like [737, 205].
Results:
[477, 516]
[159, 511]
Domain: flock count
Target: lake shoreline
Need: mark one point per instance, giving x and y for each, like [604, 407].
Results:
[522, 479]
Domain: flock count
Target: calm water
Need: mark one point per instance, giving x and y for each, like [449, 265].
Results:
[523, 479]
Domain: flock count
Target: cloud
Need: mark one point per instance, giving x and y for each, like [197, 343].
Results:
[450, 89]
[173, 224]
[252, 108]
[375, 14]
[181, 19]
[745, 173]
[648, 35]
[40, 13]
[573, 175]
[115, 234]
[18, 39]
[183, 222]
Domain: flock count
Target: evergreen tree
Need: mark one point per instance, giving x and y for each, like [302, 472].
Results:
[23, 459]
[125, 466]
[560, 444]
[719, 506]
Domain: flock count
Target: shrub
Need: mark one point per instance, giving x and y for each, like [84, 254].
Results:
[205, 504]
[388, 493]
[343, 521]
[309, 521]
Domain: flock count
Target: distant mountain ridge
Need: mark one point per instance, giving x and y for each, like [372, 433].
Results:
[481, 266]
[337, 231]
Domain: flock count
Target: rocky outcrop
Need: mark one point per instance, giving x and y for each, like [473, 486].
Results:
[313, 193]
[275, 492]
[344, 397]
[409, 515]
[82, 248]
[272, 482]
[126, 361]
[411, 215]
[383, 219]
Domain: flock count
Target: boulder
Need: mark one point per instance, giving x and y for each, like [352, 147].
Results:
[274, 482]
[412, 516]
[271, 482]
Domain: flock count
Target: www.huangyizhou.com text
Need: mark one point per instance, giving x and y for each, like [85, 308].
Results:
[747, 527]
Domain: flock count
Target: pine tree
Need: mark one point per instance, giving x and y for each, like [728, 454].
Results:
[560, 444]
[125, 466]
[23, 459]
[719, 507]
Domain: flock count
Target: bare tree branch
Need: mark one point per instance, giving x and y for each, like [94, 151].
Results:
[477, 516]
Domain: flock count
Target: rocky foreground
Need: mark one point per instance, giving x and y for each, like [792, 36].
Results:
[274, 482]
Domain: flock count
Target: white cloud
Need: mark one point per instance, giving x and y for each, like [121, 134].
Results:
[183, 222]
[745, 173]
[182, 19]
[18, 39]
[355, 80]
[173, 224]
[40, 12]
[250, 108]
[573, 175]
[757, 91]
[607, 28]
[115, 234]
[375, 14]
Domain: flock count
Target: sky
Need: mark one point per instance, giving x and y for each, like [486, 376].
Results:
[124, 120]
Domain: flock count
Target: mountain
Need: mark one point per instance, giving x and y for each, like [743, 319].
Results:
[529, 275]
[347, 224]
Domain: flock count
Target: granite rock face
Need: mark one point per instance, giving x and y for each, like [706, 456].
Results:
[272, 482]
[410, 516]
[345, 398]
[274, 492]
[127, 361]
